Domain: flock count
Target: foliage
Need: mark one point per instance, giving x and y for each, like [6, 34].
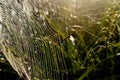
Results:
[58, 43]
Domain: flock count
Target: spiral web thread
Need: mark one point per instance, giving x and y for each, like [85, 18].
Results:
[31, 44]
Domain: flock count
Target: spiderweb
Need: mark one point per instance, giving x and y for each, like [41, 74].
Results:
[32, 40]
[33, 32]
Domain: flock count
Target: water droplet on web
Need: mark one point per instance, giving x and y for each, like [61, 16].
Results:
[35, 51]
[46, 12]
[13, 12]
[98, 22]
[29, 68]
[31, 35]
[50, 42]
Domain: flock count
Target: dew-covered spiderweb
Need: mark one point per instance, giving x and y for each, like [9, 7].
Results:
[33, 32]
[31, 40]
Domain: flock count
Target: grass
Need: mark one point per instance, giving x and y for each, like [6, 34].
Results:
[38, 46]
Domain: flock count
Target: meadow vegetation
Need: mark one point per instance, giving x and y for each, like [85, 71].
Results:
[58, 41]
